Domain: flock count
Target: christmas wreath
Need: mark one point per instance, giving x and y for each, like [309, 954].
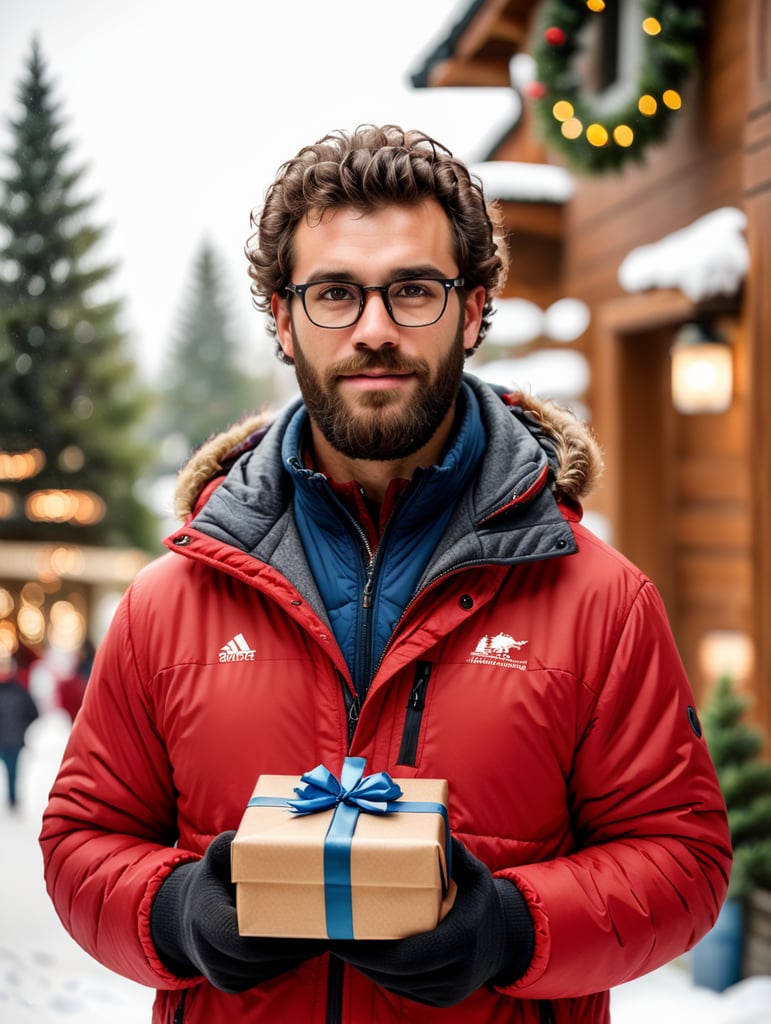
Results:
[574, 123]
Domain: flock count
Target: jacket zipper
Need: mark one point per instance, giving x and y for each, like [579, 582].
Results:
[334, 990]
[179, 1013]
[546, 1012]
[408, 752]
[364, 669]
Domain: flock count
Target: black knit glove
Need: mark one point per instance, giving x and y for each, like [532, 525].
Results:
[487, 936]
[195, 930]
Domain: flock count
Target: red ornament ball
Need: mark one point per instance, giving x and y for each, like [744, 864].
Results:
[555, 36]
[535, 90]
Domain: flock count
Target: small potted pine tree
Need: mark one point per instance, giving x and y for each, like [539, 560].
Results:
[740, 944]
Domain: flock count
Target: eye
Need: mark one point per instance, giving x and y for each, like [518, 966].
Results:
[412, 289]
[335, 291]
[415, 291]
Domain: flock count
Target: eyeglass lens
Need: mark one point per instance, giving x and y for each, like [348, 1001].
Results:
[414, 303]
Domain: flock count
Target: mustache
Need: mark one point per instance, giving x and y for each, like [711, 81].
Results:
[385, 360]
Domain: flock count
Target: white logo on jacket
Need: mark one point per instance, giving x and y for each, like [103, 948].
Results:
[237, 649]
[496, 650]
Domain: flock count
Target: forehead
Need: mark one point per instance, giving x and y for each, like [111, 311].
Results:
[374, 243]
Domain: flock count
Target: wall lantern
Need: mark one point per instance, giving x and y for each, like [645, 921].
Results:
[702, 370]
[727, 652]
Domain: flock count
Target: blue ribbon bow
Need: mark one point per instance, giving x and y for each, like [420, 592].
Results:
[322, 790]
[352, 793]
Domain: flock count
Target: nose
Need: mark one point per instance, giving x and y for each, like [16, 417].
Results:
[375, 328]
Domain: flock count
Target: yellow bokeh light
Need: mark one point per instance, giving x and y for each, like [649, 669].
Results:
[647, 105]
[67, 627]
[651, 26]
[623, 135]
[79, 507]
[31, 623]
[21, 465]
[67, 561]
[572, 128]
[596, 5]
[562, 110]
[32, 593]
[672, 99]
[597, 135]
[8, 639]
[7, 504]
[7, 603]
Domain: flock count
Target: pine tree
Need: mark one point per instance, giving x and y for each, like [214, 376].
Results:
[206, 390]
[68, 391]
[745, 779]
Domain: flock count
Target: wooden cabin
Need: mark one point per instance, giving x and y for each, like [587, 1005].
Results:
[686, 496]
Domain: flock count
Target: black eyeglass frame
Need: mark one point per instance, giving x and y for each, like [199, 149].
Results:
[448, 283]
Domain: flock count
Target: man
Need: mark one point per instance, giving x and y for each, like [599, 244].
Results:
[395, 569]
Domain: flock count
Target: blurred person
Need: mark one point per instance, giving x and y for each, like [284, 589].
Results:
[393, 567]
[71, 689]
[25, 659]
[18, 711]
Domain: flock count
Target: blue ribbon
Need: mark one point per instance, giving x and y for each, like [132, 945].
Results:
[349, 795]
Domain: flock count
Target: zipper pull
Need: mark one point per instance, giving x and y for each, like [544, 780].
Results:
[368, 586]
[415, 701]
[354, 710]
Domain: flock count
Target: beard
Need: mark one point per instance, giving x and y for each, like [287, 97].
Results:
[374, 431]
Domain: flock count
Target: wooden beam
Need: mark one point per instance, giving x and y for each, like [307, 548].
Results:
[492, 26]
[545, 220]
[474, 73]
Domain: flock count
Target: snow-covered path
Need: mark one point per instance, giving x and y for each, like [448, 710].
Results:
[45, 978]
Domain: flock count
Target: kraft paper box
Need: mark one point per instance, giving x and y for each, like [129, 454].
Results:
[398, 870]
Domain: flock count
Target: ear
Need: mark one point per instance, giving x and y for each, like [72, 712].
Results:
[279, 307]
[474, 304]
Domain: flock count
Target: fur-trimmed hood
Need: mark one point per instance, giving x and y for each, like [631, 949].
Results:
[574, 453]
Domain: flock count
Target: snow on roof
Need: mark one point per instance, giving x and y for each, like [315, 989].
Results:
[548, 373]
[709, 257]
[517, 182]
[519, 321]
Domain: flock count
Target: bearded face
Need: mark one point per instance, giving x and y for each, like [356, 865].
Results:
[383, 424]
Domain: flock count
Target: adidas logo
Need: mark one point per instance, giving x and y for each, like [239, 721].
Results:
[237, 649]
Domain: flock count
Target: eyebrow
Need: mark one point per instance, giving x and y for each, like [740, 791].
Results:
[419, 270]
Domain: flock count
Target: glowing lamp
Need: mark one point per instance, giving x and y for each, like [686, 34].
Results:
[702, 371]
[727, 652]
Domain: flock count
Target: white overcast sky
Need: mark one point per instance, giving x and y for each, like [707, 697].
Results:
[183, 110]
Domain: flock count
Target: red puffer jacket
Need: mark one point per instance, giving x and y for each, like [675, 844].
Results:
[554, 702]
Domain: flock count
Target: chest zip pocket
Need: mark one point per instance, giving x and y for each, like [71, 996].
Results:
[408, 752]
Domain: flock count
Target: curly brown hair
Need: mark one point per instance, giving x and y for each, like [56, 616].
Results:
[365, 169]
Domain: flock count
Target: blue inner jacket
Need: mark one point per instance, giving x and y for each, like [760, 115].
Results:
[337, 550]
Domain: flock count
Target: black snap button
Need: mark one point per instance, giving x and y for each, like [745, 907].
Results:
[562, 543]
[693, 718]
[467, 601]
[182, 539]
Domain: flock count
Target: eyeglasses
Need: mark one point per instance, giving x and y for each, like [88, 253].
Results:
[415, 302]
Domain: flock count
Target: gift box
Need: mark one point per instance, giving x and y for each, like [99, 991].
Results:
[363, 857]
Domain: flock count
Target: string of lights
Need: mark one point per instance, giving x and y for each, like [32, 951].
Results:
[594, 136]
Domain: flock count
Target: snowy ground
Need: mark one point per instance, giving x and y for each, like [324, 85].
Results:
[45, 978]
